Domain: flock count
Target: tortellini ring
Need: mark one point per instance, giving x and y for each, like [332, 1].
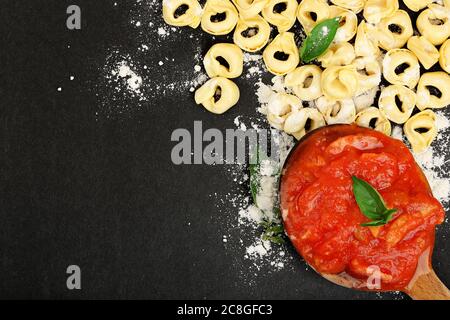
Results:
[400, 66]
[280, 13]
[417, 5]
[311, 12]
[281, 56]
[224, 60]
[369, 74]
[280, 106]
[424, 50]
[348, 24]
[373, 118]
[338, 54]
[434, 24]
[397, 103]
[354, 5]
[365, 46]
[219, 17]
[249, 8]
[218, 95]
[397, 28]
[433, 90]
[375, 10]
[337, 112]
[444, 56]
[252, 34]
[421, 130]
[305, 82]
[339, 83]
[303, 121]
[182, 13]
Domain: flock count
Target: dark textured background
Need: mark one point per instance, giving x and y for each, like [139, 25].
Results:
[101, 192]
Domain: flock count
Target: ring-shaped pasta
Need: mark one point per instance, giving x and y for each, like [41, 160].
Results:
[348, 24]
[338, 54]
[252, 34]
[312, 12]
[373, 118]
[249, 8]
[354, 5]
[280, 13]
[375, 10]
[434, 23]
[369, 73]
[444, 56]
[424, 50]
[417, 5]
[219, 17]
[421, 130]
[337, 112]
[365, 99]
[339, 83]
[401, 66]
[280, 106]
[224, 60]
[365, 46]
[301, 122]
[397, 28]
[182, 13]
[217, 95]
[433, 90]
[397, 103]
[281, 56]
[305, 82]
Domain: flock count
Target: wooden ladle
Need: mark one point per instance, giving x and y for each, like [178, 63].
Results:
[424, 285]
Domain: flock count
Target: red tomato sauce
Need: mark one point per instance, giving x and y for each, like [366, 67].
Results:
[323, 220]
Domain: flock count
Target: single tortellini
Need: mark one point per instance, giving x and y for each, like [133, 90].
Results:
[369, 73]
[433, 90]
[301, 122]
[338, 54]
[365, 46]
[421, 130]
[444, 56]
[219, 17]
[217, 95]
[417, 5]
[281, 13]
[182, 13]
[252, 34]
[305, 82]
[354, 5]
[365, 99]
[348, 24]
[424, 50]
[400, 66]
[375, 10]
[339, 83]
[337, 112]
[281, 56]
[397, 103]
[312, 12]
[397, 28]
[250, 8]
[434, 23]
[224, 60]
[373, 118]
[280, 106]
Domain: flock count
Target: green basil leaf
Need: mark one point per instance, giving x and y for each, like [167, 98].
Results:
[254, 174]
[389, 214]
[319, 39]
[374, 223]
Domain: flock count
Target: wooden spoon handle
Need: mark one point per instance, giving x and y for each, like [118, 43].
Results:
[428, 287]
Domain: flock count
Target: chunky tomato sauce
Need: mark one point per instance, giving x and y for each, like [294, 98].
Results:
[323, 220]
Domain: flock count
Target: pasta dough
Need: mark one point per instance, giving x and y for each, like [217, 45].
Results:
[434, 23]
[219, 17]
[433, 90]
[400, 66]
[303, 121]
[305, 82]
[365, 46]
[444, 56]
[375, 10]
[338, 54]
[281, 13]
[249, 8]
[340, 83]
[417, 5]
[397, 29]
[373, 118]
[424, 50]
[353, 5]
[191, 16]
[281, 56]
[369, 74]
[421, 130]
[397, 103]
[252, 34]
[349, 23]
[232, 57]
[312, 12]
[280, 106]
[217, 95]
[337, 112]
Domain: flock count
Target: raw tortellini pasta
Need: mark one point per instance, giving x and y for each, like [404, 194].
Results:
[424, 50]
[281, 13]
[373, 118]
[434, 23]
[182, 12]
[400, 66]
[397, 103]
[433, 90]
[224, 60]
[416, 5]
[305, 82]
[311, 12]
[280, 106]
[250, 8]
[340, 83]
[375, 10]
[300, 122]
[444, 56]
[338, 54]
[281, 56]
[349, 23]
[337, 112]
[217, 95]
[421, 130]
[365, 46]
[397, 29]
[353, 5]
[369, 74]
[219, 17]
[252, 34]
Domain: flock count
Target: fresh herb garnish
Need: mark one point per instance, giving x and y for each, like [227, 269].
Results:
[273, 232]
[319, 39]
[255, 164]
[371, 204]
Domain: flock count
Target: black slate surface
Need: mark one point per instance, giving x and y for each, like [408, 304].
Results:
[87, 180]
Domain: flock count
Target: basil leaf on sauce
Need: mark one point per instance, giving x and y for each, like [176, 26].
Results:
[371, 204]
[319, 39]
